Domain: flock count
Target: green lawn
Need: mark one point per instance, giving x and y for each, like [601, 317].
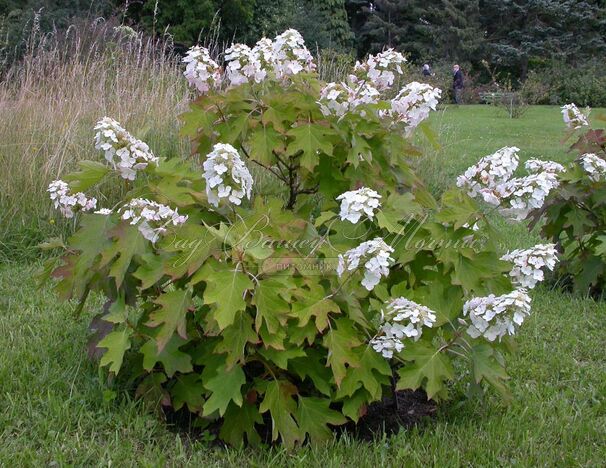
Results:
[53, 409]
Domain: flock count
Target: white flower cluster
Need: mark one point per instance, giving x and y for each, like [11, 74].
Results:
[594, 166]
[243, 65]
[375, 254]
[528, 264]
[226, 175]
[291, 55]
[521, 195]
[201, 71]
[68, 203]
[356, 203]
[152, 218]
[484, 178]
[340, 98]
[123, 151]
[413, 104]
[404, 318]
[380, 70]
[536, 166]
[496, 316]
[573, 117]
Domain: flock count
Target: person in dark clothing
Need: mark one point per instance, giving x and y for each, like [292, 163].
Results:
[427, 70]
[457, 84]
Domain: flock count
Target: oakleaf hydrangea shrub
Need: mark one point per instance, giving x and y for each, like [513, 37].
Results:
[567, 201]
[288, 313]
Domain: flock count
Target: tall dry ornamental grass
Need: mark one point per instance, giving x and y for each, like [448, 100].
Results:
[50, 101]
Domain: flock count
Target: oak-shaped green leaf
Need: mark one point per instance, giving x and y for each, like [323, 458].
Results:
[311, 140]
[373, 373]
[315, 307]
[225, 387]
[340, 342]
[281, 357]
[188, 390]
[431, 369]
[172, 359]
[225, 290]
[239, 421]
[282, 407]
[262, 144]
[235, 338]
[117, 343]
[487, 367]
[171, 316]
[271, 298]
[314, 415]
[128, 243]
[90, 174]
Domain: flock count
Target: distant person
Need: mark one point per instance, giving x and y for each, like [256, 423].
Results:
[427, 70]
[457, 84]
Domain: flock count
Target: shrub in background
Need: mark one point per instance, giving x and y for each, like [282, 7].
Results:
[295, 308]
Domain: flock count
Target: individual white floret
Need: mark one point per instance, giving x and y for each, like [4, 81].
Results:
[376, 257]
[227, 177]
[573, 117]
[201, 70]
[594, 166]
[151, 218]
[497, 316]
[356, 203]
[69, 203]
[124, 152]
[528, 264]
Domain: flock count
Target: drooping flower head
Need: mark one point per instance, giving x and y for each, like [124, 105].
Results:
[202, 71]
[290, 54]
[497, 316]
[403, 319]
[594, 166]
[380, 70]
[374, 254]
[528, 264]
[491, 171]
[227, 177]
[69, 203]
[413, 104]
[573, 117]
[520, 195]
[356, 203]
[124, 152]
[243, 65]
[151, 218]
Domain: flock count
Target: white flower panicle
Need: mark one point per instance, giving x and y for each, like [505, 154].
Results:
[404, 319]
[528, 264]
[124, 152]
[483, 178]
[339, 98]
[594, 166]
[376, 256]
[201, 71]
[380, 70]
[497, 316]
[243, 65]
[227, 177]
[69, 203]
[291, 57]
[264, 53]
[356, 203]
[151, 218]
[104, 211]
[573, 117]
[536, 166]
[519, 196]
[413, 104]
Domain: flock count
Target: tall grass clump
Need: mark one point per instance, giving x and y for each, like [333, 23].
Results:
[50, 101]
